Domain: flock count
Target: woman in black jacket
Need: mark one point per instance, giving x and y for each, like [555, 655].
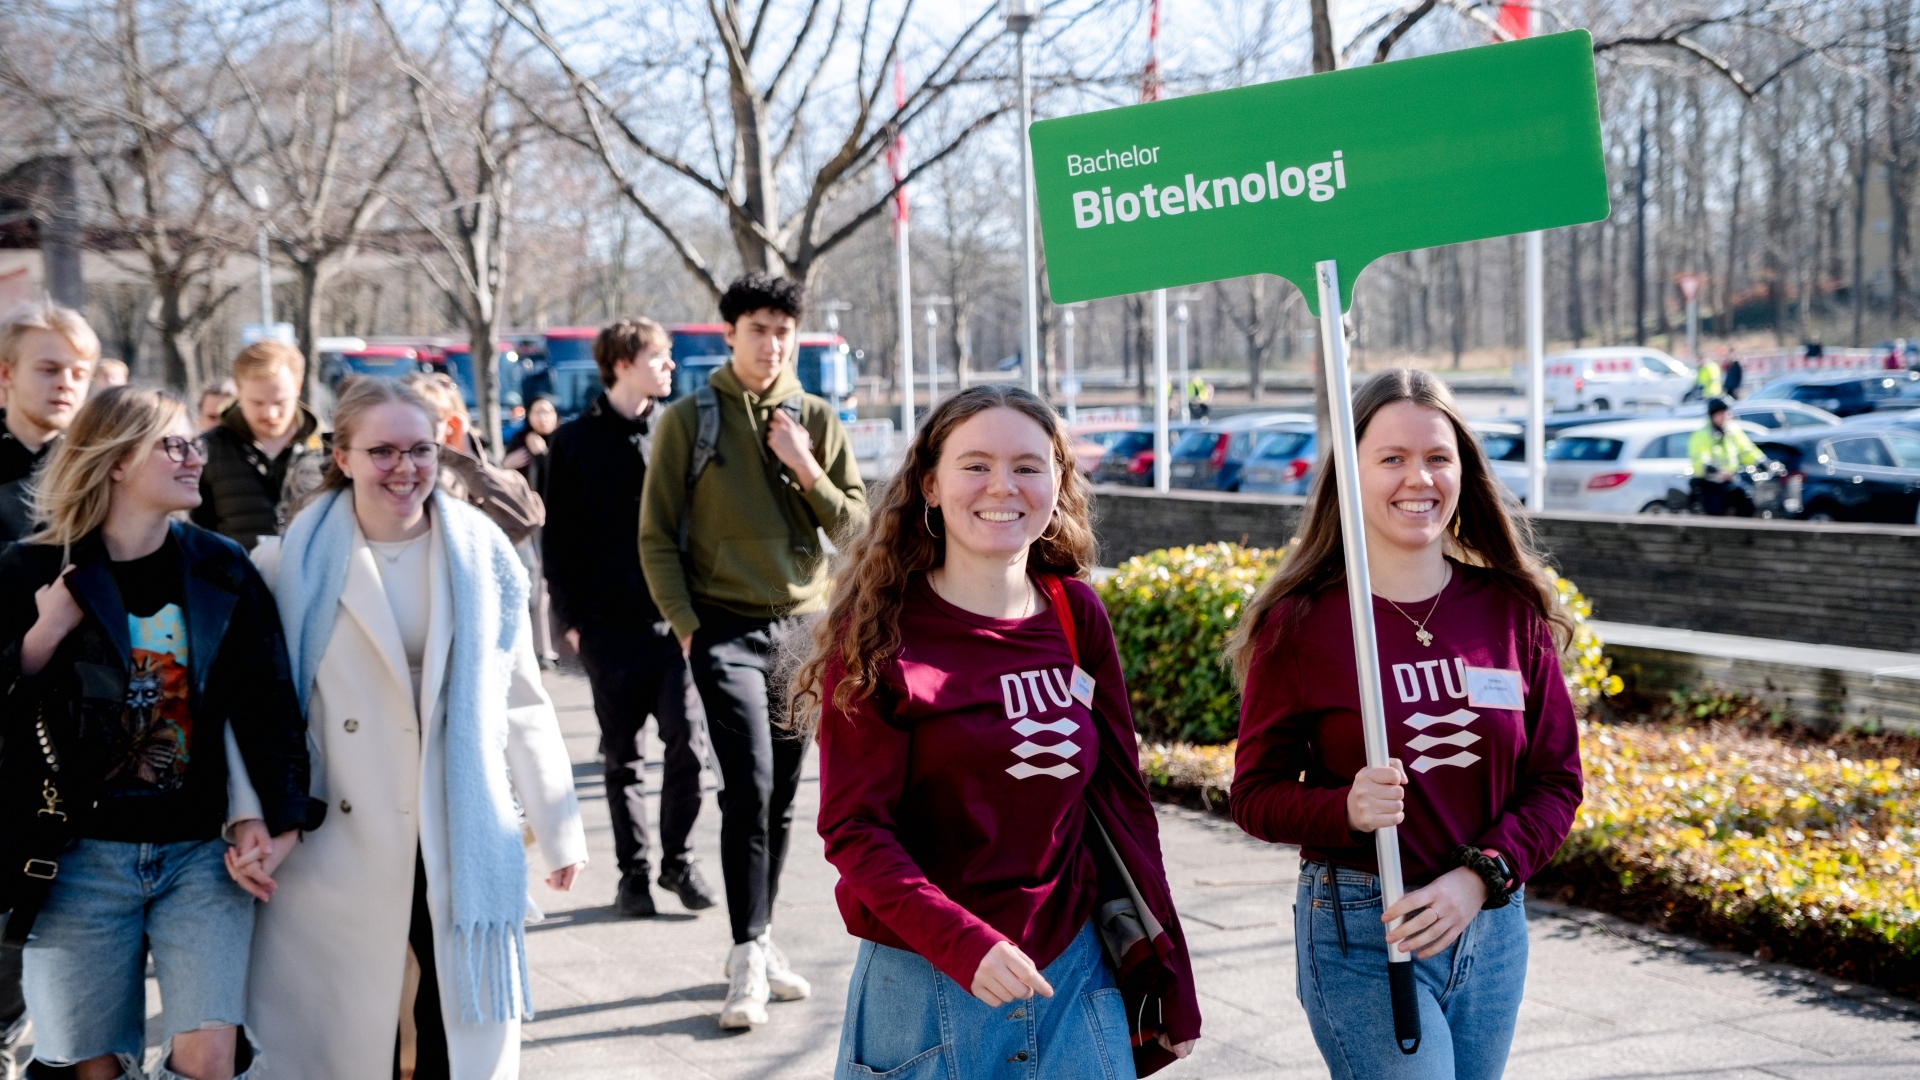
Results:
[142, 659]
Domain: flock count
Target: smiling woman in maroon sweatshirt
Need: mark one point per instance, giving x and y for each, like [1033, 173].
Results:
[979, 774]
[1486, 773]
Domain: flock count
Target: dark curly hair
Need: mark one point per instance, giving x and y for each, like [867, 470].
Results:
[860, 633]
[758, 291]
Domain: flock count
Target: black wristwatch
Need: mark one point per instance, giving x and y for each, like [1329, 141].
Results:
[1493, 869]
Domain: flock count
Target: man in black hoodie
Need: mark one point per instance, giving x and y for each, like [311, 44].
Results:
[47, 356]
[591, 550]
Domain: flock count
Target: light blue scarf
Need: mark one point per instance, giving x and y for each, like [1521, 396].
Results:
[489, 889]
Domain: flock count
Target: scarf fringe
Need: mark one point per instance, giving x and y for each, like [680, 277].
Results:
[494, 954]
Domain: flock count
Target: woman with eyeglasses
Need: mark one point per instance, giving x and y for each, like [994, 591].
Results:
[145, 674]
[393, 943]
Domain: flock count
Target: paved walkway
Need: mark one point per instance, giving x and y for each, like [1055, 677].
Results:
[637, 999]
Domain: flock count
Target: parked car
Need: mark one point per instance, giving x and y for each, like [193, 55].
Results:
[1210, 456]
[1782, 415]
[1600, 379]
[1282, 461]
[1854, 472]
[1848, 395]
[1129, 460]
[1623, 467]
[1505, 443]
[1093, 439]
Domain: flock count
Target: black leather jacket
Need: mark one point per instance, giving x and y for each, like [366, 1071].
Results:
[237, 670]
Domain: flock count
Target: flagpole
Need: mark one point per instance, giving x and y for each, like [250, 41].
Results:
[897, 160]
[1366, 649]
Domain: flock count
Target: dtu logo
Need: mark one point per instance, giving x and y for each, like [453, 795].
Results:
[1027, 695]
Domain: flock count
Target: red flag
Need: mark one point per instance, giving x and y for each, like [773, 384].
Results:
[1517, 19]
[897, 153]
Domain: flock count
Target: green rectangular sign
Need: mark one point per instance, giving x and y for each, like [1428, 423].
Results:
[1348, 165]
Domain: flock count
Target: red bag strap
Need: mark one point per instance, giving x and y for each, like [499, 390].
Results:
[1057, 595]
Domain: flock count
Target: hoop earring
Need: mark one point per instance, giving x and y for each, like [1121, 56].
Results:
[1057, 526]
[926, 518]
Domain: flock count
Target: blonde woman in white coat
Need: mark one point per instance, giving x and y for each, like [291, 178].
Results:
[405, 604]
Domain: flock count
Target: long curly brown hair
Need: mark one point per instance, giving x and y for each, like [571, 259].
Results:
[1489, 537]
[860, 633]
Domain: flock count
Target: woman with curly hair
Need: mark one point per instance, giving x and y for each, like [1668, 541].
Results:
[979, 771]
[1469, 632]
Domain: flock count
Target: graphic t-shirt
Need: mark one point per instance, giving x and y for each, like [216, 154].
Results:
[1480, 720]
[149, 770]
[953, 802]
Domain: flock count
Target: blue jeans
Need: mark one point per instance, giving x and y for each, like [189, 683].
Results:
[86, 959]
[1469, 993]
[907, 1021]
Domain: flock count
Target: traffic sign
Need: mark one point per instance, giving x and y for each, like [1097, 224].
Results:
[1347, 165]
[1689, 286]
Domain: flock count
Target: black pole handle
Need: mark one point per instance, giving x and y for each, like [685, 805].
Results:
[1406, 1006]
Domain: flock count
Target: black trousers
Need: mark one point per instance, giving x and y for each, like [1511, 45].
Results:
[430, 1061]
[733, 661]
[637, 671]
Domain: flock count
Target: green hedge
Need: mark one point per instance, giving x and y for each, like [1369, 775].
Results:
[1172, 613]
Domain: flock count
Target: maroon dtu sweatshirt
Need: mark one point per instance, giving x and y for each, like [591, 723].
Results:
[1480, 720]
[954, 801]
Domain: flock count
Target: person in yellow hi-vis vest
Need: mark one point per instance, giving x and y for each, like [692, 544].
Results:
[1718, 451]
[1706, 378]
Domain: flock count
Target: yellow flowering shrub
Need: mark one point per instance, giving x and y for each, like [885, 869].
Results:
[1753, 832]
[1174, 609]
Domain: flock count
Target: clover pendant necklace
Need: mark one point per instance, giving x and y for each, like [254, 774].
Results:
[1420, 631]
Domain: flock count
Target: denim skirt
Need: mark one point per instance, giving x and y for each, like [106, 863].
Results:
[908, 1021]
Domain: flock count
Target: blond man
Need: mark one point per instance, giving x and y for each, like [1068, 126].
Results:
[47, 358]
[259, 452]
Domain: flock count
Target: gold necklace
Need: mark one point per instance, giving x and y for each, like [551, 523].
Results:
[1026, 610]
[1420, 631]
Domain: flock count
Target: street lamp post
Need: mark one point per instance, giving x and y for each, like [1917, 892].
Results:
[1186, 404]
[1020, 16]
[933, 357]
[1071, 384]
[261, 203]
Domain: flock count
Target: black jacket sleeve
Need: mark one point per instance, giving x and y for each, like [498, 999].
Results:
[564, 540]
[263, 707]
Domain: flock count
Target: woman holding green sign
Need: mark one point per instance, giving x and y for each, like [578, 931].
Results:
[1486, 771]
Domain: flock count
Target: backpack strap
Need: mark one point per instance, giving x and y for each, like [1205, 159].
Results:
[706, 443]
[1057, 595]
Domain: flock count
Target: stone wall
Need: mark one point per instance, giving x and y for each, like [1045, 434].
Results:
[1828, 584]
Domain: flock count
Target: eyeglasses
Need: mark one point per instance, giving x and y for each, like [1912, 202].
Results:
[385, 458]
[180, 449]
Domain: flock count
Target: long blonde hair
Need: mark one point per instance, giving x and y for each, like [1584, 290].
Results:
[357, 398]
[861, 629]
[71, 496]
[1488, 536]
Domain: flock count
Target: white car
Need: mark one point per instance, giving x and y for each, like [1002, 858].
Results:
[1506, 447]
[1623, 466]
[1624, 377]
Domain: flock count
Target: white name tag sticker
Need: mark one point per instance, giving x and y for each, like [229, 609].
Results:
[1495, 688]
[1082, 687]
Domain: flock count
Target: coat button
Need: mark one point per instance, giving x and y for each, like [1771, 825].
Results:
[351, 725]
[1018, 1014]
[346, 807]
[1020, 1056]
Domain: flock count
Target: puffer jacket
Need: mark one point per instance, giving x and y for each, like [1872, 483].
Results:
[245, 495]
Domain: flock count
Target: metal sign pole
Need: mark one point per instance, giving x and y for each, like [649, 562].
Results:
[1162, 452]
[1536, 378]
[1366, 649]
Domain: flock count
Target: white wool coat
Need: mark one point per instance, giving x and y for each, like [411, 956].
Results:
[329, 951]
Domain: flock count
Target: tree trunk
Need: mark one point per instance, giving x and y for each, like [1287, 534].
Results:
[1862, 155]
[1640, 243]
[1324, 59]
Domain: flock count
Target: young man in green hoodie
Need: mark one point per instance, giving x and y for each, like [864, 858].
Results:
[746, 480]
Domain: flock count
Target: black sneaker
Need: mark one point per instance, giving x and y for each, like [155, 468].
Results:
[635, 900]
[684, 881]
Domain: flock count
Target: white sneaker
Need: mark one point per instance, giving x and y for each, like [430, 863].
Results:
[784, 983]
[746, 987]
